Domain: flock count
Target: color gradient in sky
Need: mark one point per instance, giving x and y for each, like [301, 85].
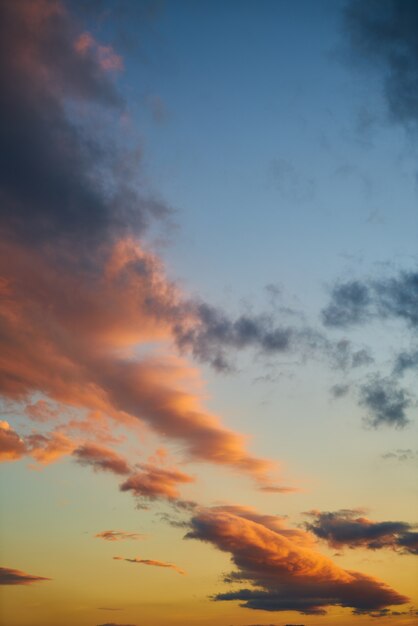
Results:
[209, 312]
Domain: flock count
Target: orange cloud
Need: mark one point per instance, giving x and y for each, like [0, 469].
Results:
[285, 571]
[12, 447]
[151, 562]
[81, 353]
[155, 482]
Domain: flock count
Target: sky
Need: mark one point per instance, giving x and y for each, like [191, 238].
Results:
[208, 313]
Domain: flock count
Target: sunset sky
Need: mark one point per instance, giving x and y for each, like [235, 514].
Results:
[209, 312]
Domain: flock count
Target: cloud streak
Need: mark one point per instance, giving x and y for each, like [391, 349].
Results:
[152, 563]
[118, 535]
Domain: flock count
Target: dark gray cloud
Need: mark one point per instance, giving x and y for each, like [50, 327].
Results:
[383, 34]
[344, 357]
[350, 528]
[405, 361]
[387, 613]
[349, 305]
[385, 401]
[215, 333]
[355, 302]
[56, 177]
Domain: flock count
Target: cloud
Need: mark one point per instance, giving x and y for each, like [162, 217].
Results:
[382, 33]
[16, 577]
[350, 528]
[349, 305]
[385, 401]
[43, 448]
[80, 354]
[401, 454]
[388, 613]
[12, 447]
[338, 391]
[50, 447]
[118, 535]
[281, 564]
[152, 562]
[113, 623]
[405, 361]
[62, 194]
[101, 458]
[155, 482]
[71, 229]
[356, 302]
[106, 56]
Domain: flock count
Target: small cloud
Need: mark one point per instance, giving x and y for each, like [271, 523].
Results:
[101, 459]
[16, 577]
[151, 562]
[338, 391]
[402, 454]
[118, 535]
[385, 401]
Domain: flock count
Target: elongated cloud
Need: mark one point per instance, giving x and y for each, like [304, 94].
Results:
[118, 535]
[10, 576]
[156, 482]
[351, 529]
[284, 569]
[101, 458]
[151, 562]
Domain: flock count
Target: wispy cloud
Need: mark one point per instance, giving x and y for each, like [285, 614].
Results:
[118, 535]
[151, 562]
